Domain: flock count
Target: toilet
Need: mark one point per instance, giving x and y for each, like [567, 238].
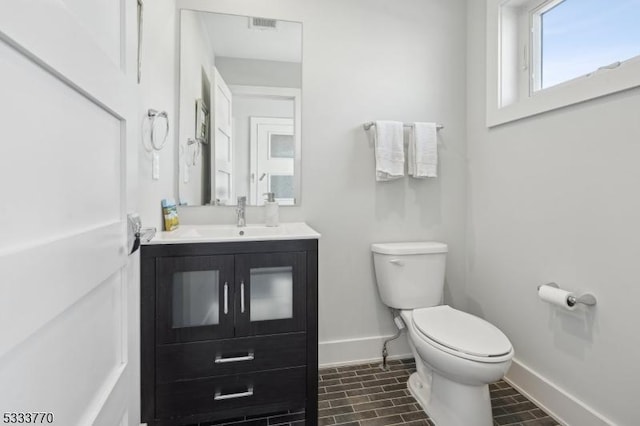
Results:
[457, 354]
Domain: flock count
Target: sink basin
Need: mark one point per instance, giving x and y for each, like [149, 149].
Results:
[227, 233]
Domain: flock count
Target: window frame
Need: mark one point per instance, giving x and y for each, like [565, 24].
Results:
[535, 42]
[531, 99]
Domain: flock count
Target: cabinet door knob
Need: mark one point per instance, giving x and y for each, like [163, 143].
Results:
[226, 298]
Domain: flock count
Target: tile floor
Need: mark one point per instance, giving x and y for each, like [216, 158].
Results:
[364, 395]
[289, 418]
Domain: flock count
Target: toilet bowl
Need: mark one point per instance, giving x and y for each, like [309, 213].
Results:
[454, 369]
[457, 354]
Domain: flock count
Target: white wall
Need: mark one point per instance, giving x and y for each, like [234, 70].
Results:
[555, 198]
[366, 60]
[158, 90]
[254, 72]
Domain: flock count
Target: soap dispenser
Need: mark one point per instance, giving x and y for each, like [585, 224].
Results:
[271, 210]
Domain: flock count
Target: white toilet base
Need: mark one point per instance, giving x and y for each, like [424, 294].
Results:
[448, 403]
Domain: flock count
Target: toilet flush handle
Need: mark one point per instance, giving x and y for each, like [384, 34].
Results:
[396, 262]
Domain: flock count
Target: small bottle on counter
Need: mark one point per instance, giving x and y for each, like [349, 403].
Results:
[271, 214]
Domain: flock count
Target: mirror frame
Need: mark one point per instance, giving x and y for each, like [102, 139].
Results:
[294, 94]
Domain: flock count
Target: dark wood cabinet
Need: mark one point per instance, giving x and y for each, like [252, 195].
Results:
[228, 330]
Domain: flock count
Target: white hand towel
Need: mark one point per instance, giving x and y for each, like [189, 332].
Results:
[423, 150]
[389, 149]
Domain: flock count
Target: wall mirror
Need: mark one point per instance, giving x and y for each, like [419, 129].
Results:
[239, 112]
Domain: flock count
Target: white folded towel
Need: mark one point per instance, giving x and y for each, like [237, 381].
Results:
[423, 150]
[389, 149]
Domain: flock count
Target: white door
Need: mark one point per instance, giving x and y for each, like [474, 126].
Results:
[69, 293]
[222, 140]
[272, 146]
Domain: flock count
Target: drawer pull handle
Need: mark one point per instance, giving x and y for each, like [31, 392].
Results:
[218, 396]
[242, 296]
[248, 357]
[226, 298]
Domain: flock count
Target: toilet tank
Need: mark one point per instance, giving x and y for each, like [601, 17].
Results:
[410, 275]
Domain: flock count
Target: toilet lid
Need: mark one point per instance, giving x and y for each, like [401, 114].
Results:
[461, 332]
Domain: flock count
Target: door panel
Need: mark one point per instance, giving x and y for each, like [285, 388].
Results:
[88, 339]
[61, 48]
[270, 293]
[49, 288]
[68, 297]
[53, 151]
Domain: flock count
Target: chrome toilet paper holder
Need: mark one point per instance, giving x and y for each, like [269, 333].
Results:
[586, 299]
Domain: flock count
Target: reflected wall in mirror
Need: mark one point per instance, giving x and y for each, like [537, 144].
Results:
[240, 97]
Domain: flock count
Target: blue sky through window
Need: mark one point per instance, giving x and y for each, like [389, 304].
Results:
[579, 36]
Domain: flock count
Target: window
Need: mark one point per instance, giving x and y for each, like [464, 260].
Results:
[573, 38]
[546, 54]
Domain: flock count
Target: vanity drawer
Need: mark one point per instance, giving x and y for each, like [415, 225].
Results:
[224, 394]
[230, 356]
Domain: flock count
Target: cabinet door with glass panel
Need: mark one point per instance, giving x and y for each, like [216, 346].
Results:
[194, 298]
[270, 293]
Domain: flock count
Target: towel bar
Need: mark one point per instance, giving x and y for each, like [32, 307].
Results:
[370, 124]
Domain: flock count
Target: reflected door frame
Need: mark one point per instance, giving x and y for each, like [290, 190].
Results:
[282, 93]
[223, 142]
[262, 164]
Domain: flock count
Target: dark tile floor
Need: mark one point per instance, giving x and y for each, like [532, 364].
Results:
[367, 396]
[289, 418]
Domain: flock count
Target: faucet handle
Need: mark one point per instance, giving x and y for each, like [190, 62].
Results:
[242, 200]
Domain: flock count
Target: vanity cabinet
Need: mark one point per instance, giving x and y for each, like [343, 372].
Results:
[228, 330]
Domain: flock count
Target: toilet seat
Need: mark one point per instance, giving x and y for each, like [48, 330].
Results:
[461, 334]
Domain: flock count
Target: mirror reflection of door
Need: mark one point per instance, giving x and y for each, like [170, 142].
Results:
[272, 146]
[222, 141]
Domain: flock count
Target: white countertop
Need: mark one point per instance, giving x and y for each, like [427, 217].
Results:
[233, 233]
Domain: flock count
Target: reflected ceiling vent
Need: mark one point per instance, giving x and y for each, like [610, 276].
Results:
[263, 23]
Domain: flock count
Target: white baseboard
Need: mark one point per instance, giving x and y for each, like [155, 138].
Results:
[565, 408]
[361, 350]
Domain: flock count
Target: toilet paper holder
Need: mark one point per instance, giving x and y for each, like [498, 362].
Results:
[586, 299]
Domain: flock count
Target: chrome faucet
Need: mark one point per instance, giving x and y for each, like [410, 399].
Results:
[240, 211]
